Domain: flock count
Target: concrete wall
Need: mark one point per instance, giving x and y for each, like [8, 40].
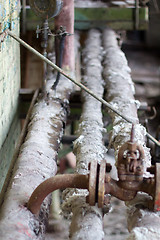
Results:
[9, 83]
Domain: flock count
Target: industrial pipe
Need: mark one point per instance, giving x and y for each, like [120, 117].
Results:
[52, 184]
[104, 102]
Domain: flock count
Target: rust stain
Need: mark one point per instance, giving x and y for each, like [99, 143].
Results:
[23, 229]
[157, 203]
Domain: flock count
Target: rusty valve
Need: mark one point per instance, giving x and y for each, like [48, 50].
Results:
[99, 183]
[130, 161]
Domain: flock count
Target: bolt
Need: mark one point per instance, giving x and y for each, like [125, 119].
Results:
[132, 133]
[107, 198]
[107, 178]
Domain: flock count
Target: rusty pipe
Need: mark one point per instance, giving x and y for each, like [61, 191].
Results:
[52, 184]
[126, 190]
[66, 19]
[112, 187]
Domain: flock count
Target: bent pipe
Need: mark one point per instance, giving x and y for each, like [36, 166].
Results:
[82, 181]
[115, 190]
[52, 184]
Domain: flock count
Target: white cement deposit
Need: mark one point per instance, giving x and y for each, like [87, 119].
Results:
[36, 162]
[142, 223]
[86, 220]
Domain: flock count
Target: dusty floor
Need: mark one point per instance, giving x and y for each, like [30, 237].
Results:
[115, 225]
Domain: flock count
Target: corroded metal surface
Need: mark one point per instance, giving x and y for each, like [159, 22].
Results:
[92, 183]
[101, 183]
[130, 161]
[52, 184]
[157, 188]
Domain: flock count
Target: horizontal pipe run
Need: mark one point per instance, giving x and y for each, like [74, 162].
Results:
[52, 184]
[105, 103]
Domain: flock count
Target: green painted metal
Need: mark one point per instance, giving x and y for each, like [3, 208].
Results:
[109, 14]
[9, 87]
[85, 18]
[115, 18]
[121, 25]
[7, 150]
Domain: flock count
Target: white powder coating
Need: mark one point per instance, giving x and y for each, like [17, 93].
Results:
[120, 94]
[142, 223]
[86, 220]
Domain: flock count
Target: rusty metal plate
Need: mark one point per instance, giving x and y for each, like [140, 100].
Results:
[157, 188]
[92, 183]
[101, 184]
[46, 9]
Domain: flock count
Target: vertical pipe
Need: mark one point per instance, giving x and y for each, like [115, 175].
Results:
[66, 19]
[24, 17]
[136, 14]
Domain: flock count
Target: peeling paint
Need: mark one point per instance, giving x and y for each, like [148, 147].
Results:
[10, 66]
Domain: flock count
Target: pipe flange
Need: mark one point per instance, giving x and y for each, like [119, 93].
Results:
[92, 183]
[157, 188]
[101, 183]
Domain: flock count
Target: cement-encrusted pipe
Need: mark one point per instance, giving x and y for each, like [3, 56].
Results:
[87, 220]
[37, 160]
[64, 73]
[142, 224]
